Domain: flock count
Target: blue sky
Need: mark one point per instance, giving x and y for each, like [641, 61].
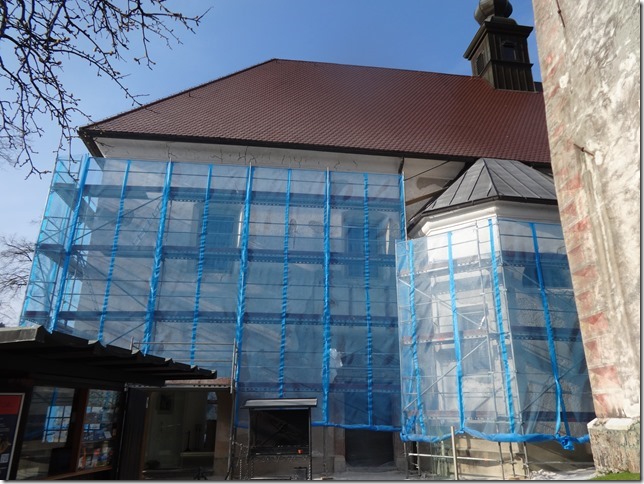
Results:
[428, 35]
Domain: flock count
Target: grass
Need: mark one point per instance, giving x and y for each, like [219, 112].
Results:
[619, 476]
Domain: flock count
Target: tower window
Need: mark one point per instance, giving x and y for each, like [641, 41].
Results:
[480, 63]
[508, 51]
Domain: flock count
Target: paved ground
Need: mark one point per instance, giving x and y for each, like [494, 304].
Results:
[393, 475]
[375, 474]
[576, 475]
[370, 474]
[386, 473]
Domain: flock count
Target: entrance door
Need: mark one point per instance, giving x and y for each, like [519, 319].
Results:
[366, 448]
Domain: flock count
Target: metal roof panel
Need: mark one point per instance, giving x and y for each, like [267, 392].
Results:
[346, 108]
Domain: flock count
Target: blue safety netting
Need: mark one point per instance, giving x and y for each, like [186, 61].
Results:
[489, 336]
[289, 273]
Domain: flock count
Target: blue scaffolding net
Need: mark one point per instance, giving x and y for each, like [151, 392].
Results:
[290, 274]
[489, 336]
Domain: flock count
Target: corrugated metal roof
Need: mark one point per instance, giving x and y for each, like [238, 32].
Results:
[35, 350]
[496, 179]
[335, 107]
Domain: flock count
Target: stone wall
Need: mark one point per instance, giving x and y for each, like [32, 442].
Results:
[589, 57]
[616, 444]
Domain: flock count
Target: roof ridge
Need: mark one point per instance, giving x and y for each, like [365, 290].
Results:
[448, 199]
[176, 94]
[365, 66]
[535, 175]
[274, 59]
[516, 179]
[321, 106]
[489, 174]
[484, 168]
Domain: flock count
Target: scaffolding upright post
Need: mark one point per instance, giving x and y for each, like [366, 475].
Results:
[526, 465]
[406, 459]
[232, 435]
[69, 243]
[324, 431]
[454, 457]
[501, 460]
[514, 472]
[150, 319]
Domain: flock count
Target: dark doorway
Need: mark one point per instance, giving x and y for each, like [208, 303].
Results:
[132, 442]
[366, 448]
[277, 431]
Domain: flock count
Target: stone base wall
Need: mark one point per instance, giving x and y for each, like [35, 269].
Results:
[616, 444]
[480, 459]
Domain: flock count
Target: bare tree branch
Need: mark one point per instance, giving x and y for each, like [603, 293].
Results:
[39, 37]
[16, 256]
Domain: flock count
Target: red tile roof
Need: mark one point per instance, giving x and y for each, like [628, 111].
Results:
[337, 107]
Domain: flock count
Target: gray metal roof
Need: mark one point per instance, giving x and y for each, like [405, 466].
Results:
[33, 350]
[489, 179]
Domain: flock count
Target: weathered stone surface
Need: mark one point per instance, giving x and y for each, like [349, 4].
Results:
[616, 444]
[589, 54]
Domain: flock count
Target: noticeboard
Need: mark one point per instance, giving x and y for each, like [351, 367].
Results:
[10, 410]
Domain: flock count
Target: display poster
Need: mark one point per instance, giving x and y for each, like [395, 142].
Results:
[10, 409]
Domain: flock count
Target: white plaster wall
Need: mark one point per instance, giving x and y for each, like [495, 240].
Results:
[243, 155]
[451, 220]
[422, 176]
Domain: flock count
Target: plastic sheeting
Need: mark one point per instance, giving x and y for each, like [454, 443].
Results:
[291, 270]
[489, 336]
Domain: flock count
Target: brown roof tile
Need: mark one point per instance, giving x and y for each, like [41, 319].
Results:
[344, 107]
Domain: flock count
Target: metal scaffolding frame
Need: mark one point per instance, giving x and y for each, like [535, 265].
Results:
[489, 336]
[186, 258]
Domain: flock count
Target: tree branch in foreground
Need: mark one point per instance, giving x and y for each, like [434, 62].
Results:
[39, 37]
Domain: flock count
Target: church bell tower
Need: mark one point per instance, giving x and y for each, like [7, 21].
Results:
[499, 50]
